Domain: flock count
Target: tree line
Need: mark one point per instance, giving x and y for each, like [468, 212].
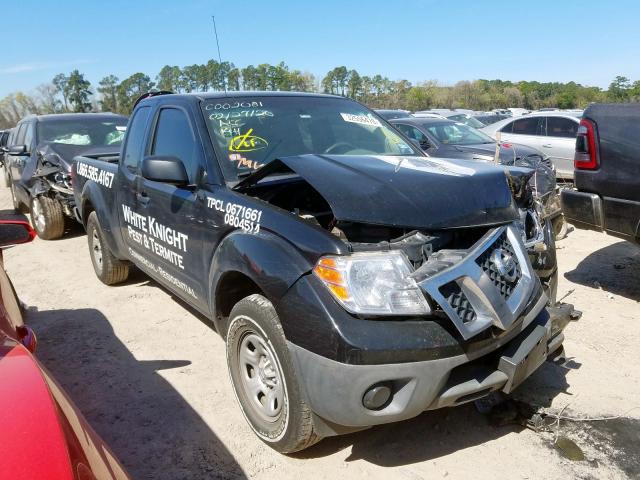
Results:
[73, 92]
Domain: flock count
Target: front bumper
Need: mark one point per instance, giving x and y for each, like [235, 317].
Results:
[335, 390]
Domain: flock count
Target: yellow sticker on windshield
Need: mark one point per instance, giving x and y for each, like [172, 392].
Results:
[247, 142]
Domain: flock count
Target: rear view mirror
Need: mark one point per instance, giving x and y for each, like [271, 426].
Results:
[14, 232]
[165, 169]
[17, 150]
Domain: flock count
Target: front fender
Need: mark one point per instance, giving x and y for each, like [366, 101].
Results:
[269, 261]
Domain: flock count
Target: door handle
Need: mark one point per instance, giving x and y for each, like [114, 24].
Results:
[142, 198]
[547, 145]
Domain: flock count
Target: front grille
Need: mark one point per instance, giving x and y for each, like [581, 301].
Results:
[505, 286]
[474, 293]
[458, 301]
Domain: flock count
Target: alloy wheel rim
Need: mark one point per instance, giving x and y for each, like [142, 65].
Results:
[260, 377]
[38, 215]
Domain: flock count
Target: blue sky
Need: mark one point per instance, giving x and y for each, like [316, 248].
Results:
[587, 41]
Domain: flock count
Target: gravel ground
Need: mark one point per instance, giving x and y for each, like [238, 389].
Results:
[150, 376]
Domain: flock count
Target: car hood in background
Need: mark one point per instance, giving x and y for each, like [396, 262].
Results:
[414, 192]
[63, 154]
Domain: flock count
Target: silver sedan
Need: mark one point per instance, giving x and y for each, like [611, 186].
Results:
[553, 133]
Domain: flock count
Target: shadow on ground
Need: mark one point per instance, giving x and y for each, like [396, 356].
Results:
[150, 427]
[615, 268]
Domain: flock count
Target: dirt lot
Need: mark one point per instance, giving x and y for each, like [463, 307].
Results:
[151, 378]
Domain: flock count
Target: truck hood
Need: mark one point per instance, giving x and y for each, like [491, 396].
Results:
[414, 192]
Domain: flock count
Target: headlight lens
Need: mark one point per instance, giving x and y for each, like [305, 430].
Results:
[372, 283]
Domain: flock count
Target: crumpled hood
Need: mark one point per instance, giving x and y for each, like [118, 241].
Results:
[414, 192]
[63, 154]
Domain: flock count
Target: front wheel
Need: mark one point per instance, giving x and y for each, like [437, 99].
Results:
[47, 217]
[263, 377]
[109, 269]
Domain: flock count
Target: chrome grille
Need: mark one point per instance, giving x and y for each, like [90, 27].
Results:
[501, 282]
[475, 294]
[458, 301]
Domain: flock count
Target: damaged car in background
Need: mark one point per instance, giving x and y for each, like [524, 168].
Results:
[355, 280]
[39, 158]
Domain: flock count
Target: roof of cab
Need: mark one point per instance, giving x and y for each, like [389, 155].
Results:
[237, 94]
[52, 117]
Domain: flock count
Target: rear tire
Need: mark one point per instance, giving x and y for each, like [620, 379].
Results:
[263, 377]
[109, 269]
[47, 217]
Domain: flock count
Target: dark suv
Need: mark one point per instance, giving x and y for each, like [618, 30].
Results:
[39, 158]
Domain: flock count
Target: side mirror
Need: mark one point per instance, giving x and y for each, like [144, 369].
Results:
[165, 169]
[14, 232]
[18, 150]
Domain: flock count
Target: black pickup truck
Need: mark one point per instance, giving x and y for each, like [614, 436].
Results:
[606, 196]
[355, 280]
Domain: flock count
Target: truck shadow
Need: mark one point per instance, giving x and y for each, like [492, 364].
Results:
[438, 433]
[615, 268]
[149, 426]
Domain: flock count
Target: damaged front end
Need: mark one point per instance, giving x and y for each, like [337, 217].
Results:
[426, 238]
[52, 178]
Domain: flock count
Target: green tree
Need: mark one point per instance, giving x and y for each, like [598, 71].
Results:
[130, 89]
[60, 82]
[354, 84]
[233, 79]
[169, 78]
[78, 91]
[619, 89]
[108, 90]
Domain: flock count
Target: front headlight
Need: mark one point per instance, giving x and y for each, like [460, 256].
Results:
[372, 283]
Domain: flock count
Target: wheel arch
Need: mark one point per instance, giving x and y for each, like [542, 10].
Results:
[244, 264]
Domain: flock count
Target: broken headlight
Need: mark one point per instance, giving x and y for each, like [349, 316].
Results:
[372, 283]
[63, 180]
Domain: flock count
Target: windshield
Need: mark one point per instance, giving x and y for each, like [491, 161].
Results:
[467, 120]
[88, 131]
[458, 134]
[250, 132]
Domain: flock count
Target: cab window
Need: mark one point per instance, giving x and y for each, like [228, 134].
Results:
[28, 136]
[174, 138]
[413, 133]
[508, 128]
[135, 139]
[561, 127]
[528, 126]
[18, 138]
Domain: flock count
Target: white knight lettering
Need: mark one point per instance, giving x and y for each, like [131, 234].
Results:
[147, 232]
[168, 235]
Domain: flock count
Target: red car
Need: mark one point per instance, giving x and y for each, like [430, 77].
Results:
[42, 434]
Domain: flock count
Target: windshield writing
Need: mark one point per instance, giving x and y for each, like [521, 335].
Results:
[250, 132]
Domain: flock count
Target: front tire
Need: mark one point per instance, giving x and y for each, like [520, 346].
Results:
[47, 217]
[263, 377]
[109, 269]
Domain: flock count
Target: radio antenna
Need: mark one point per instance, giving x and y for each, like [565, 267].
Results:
[215, 31]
